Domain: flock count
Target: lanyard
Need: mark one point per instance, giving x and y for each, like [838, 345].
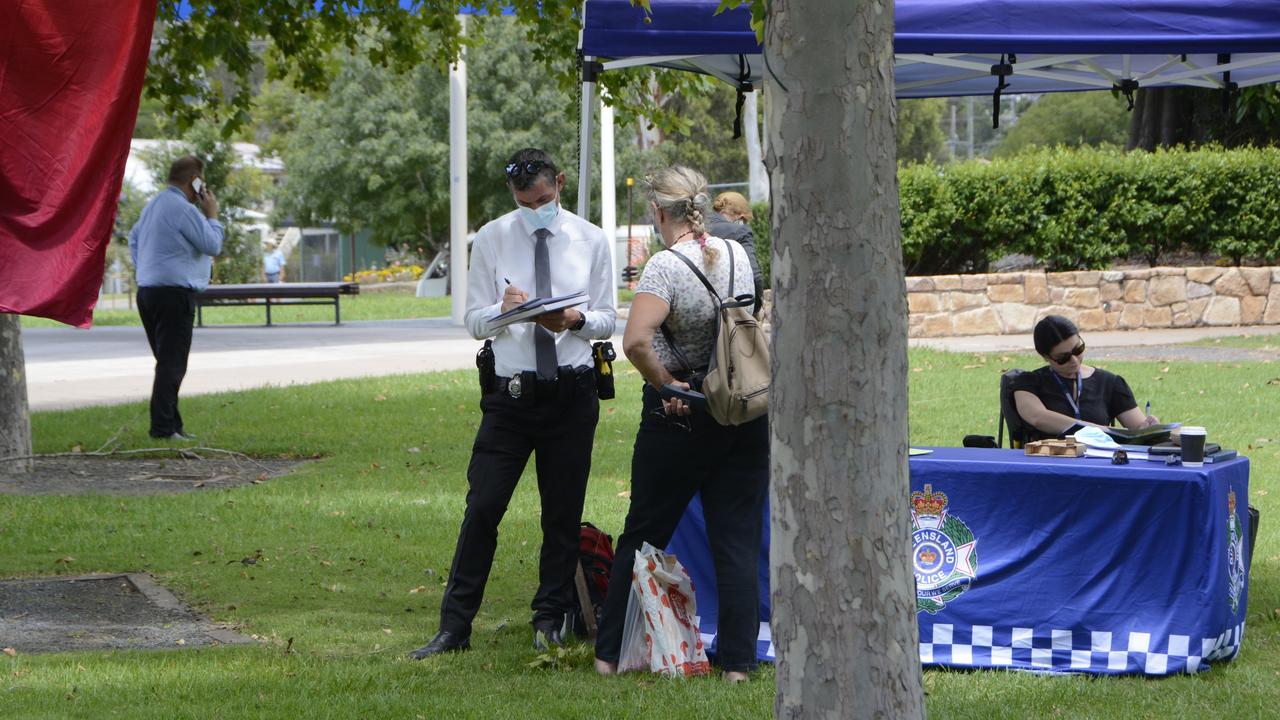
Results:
[1075, 405]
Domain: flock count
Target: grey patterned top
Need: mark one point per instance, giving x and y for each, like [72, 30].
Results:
[692, 318]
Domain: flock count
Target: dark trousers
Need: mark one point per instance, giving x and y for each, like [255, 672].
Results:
[168, 314]
[558, 427]
[730, 467]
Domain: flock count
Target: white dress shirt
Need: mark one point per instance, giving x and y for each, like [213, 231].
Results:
[580, 260]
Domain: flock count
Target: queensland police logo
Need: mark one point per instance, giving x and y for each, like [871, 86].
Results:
[1235, 554]
[943, 551]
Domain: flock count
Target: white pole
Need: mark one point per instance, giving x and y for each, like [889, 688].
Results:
[608, 187]
[458, 183]
[589, 69]
[757, 176]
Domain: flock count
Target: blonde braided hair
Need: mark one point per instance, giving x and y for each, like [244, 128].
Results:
[681, 193]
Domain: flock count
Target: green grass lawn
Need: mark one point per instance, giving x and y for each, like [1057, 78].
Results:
[1250, 341]
[369, 306]
[356, 545]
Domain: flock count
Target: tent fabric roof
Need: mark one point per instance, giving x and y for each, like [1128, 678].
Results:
[947, 47]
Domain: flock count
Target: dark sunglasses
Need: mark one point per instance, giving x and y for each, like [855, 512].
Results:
[1064, 358]
[678, 422]
[532, 167]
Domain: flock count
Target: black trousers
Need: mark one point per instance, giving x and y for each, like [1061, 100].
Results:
[168, 314]
[730, 467]
[559, 429]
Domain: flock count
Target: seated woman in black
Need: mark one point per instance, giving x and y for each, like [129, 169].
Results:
[1066, 392]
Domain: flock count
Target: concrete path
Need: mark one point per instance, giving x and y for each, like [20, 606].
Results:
[73, 368]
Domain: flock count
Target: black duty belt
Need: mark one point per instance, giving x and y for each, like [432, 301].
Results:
[518, 385]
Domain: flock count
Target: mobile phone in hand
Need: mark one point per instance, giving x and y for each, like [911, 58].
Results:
[198, 186]
[695, 399]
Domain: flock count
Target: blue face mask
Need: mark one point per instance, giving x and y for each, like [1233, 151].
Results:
[542, 217]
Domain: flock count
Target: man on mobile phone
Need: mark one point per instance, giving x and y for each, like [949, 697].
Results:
[173, 246]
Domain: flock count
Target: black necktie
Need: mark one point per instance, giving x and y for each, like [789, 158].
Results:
[543, 341]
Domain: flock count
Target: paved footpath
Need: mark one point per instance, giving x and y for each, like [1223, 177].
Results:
[74, 368]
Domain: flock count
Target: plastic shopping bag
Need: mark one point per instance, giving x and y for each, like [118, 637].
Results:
[660, 632]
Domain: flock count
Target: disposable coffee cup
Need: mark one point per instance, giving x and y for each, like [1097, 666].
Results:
[1192, 446]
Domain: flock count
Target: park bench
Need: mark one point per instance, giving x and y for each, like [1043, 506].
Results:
[267, 294]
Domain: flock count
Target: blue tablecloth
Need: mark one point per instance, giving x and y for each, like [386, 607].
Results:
[1055, 564]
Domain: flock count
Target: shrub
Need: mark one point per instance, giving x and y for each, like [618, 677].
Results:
[1082, 209]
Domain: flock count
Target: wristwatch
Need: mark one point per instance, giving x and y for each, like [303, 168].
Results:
[582, 320]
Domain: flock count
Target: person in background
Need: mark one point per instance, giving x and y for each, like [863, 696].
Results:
[1066, 392]
[173, 246]
[543, 401]
[273, 263]
[678, 452]
[730, 219]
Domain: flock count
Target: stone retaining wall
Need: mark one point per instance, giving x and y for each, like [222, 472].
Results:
[1165, 297]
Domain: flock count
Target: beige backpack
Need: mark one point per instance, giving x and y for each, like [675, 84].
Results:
[737, 379]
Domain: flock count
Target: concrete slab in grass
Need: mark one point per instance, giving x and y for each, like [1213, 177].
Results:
[101, 612]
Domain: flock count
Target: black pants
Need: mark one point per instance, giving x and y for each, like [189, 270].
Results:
[168, 314]
[730, 466]
[559, 429]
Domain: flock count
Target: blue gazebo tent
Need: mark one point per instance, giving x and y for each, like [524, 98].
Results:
[968, 47]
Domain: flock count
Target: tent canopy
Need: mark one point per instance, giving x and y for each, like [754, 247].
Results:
[949, 47]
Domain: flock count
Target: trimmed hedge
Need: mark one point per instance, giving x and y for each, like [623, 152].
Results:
[1084, 209]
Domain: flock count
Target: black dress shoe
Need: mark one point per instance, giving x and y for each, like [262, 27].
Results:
[444, 642]
[546, 635]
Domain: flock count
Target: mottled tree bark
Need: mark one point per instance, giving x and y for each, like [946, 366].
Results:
[15, 423]
[844, 611]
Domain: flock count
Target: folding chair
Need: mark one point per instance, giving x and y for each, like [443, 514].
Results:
[1009, 413]
[1008, 416]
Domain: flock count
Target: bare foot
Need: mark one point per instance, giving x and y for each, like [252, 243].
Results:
[606, 668]
[735, 677]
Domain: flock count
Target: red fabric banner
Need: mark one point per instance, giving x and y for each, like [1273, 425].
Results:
[70, 79]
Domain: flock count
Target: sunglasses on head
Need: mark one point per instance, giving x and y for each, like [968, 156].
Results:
[531, 167]
[1064, 358]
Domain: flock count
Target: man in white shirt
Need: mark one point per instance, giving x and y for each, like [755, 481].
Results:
[273, 264]
[544, 399]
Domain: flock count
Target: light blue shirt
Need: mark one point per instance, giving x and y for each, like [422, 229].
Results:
[273, 262]
[174, 243]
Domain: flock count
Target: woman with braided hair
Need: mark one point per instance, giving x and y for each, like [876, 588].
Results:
[678, 451]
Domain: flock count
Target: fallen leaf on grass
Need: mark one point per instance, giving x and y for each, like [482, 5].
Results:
[10, 652]
[624, 494]
[64, 560]
[182, 641]
[416, 590]
[1164, 369]
[414, 450]
[386, 630]
[325, 563]
[379, 397]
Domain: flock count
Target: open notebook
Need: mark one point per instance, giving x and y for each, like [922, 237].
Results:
[537, 306]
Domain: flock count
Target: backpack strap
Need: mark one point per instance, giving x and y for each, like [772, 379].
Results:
[666, 331]
[707, 283]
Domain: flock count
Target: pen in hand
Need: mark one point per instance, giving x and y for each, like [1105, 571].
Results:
[509, 282]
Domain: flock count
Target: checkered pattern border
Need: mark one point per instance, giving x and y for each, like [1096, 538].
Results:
[764, 643]
[1085, 651]
[1082, 651]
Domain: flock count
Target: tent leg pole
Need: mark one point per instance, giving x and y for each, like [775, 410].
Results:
[590, 69]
